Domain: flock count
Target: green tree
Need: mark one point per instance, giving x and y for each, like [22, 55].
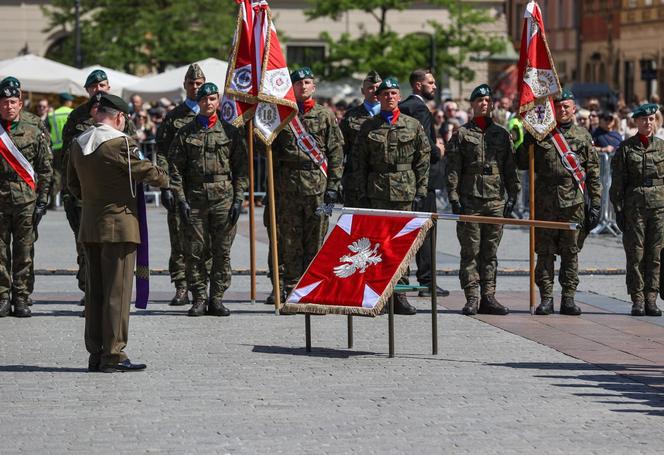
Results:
[133, 35]
[394, 54]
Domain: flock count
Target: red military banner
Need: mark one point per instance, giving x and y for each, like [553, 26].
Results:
[359, 264]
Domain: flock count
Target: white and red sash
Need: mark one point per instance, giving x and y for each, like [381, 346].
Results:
[569, 159]
[307, 144]
[15, 158]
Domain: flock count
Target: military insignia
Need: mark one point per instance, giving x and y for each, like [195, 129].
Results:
[228, 110]
[364, 257]
[7, 93]
[267, 116]
[242, 79]
[277, 82]
[542, 82]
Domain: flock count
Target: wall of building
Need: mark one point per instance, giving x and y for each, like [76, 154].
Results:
[22, 25]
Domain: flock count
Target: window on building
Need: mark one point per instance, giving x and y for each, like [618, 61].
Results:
[304, 54]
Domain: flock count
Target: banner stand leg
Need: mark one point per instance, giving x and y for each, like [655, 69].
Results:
[307, 331]
[390, 326]
[434, 291]
[350, 331]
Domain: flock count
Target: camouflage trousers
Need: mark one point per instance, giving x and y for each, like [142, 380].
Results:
[16, 242]
[301, 234]
[394, 205]
[176, 261]
[643, 240]
[552, 242]
[209, 233]
[479, 247]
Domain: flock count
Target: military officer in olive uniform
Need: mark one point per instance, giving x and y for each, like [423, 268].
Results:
[481, 170]
[350, 126]
[560, 197]
[104, 168]
[80, 119]
[391, 158]
[637, 194]
[301, 185]
[24, 190]
[209, 177]
[183, 114]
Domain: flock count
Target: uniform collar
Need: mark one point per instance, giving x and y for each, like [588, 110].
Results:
[192, 105]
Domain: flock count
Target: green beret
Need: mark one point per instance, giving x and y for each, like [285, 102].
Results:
[209, 88]
[373, 77]
[9, 92]
[112, 102]
[10, 81]
[388, 82]
[565, 95]
[480, 91]
[95, 77]
[194, 72]
[64, 96]
[645, 110]
[303, 73]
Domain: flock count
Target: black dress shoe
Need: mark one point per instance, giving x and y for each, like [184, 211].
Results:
[651, 309]
[470, 308]
[82, 301]
[440, 292]
[122, 367]
[21, 309]
[489, 305]
[198, 308]
[5, 307]
[546, 307]
[638, 308]
[180, 298]
[401, 305]
[270, 298]
[29, 300]
[94, 365]
[568, 307]
[216, 308]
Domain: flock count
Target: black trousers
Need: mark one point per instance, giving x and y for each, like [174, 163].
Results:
[423, 257]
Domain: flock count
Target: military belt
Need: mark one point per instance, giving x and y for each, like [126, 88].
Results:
[653, 182]
[10, 177]
[303, 166]
[482, 169]
[211, 179]
[392, 167]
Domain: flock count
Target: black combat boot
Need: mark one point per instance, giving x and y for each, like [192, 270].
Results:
[489, 305]
[568, 307]
[29, 300]
[198, 308]
[5, 307]
[401, 305]
[180, 298]
[651, 305]
[216, 308]
[21, 308]
[545, 307]
[270, 298]
[470, 309]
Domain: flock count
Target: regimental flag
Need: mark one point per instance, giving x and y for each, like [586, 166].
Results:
[538, 79]
[359, 264]
[258, 83]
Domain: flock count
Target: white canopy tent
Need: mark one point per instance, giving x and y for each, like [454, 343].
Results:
[117, 79]
[169, 83]
[38, 74]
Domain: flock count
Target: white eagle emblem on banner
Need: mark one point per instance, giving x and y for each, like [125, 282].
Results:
[364, 257]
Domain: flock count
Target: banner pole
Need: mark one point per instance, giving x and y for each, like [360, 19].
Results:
[272, 205]
[531, 191]
[252, 210]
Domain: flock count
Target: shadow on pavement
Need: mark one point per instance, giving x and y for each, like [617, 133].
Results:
[38, 369]
[315, 352]
[642, 384]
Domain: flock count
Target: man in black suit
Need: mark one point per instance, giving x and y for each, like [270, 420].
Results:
[424, 89]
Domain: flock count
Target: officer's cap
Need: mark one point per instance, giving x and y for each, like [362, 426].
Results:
[373, 77]
[303, 73]
[645, 110]
[10, 81]
[480, 91]
[95, 77]
[113, 102]
[207, 89]
[64, 96]
[10, 92]
[194, 72]
[387, 83]
[565, 95]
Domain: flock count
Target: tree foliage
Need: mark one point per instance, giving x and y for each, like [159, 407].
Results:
[131, 35]
[390, 53]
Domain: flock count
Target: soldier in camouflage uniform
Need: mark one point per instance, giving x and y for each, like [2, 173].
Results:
[637, 194]
[300, 185]
[183, 114]
[208, 164]
[480, 170]
[391, 158]
[558, 197]
[21, 206]
[80, 120]
[350, 126]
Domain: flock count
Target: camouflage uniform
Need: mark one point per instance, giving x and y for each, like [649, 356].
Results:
[176, 119]
[558, 198]
[637, 190]
[209, 171]
[480, 169]
[17, 206]
[299, 186]
[350, 127]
